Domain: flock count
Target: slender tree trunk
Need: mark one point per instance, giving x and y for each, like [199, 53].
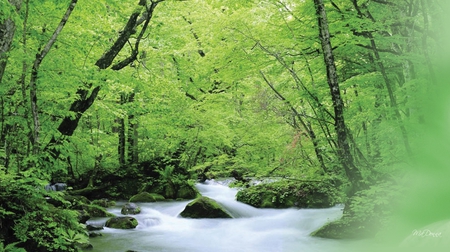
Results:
[344, 153]
[7, 30]
[121, 146]
[425, 43]
[133, 154]
[392, 98]
[87, 97]
[308, 127]
[34, 75]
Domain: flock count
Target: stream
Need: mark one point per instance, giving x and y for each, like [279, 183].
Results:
[251, 230]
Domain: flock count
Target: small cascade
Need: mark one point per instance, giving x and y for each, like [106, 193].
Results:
[260, 230]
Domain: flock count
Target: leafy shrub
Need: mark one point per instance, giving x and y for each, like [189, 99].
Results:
[30, 222]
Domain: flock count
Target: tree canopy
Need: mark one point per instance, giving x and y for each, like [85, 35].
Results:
[204, 88]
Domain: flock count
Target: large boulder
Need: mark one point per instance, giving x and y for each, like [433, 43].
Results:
[130, 208]
[147, 197]
[285, 194]
[122, 222]
[204, 207]
[187, 192]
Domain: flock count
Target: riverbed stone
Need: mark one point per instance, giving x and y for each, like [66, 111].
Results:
[204, 207]
[147, 197]
[130, 208]
[94, 227]
[122, 222]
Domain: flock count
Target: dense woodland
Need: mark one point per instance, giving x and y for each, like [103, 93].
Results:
[116, 97]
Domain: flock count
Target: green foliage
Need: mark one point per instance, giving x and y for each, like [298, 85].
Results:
[366, 214]
[286, 193]
[31, 222]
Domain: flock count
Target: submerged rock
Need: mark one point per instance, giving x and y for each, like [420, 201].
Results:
[94, 227]
[204, 207]
[130, 208]
[122, 223]
[147, 197]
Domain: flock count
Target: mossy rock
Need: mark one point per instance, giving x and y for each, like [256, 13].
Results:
[77, 202]
[122, 223]
[187, 192]
[204, 207]
[130, 208]
[146, 197]
[104, 203]
[97, 211]
[285, 194]
[345, 228]
[83, 216]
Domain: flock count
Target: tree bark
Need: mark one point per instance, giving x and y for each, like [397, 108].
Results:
[344, 152]
[7, 30]
[34, 75]
[133, 154]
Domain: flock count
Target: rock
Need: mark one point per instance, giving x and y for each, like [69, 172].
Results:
[130, 208]
[56, 187]
[77, 202]
[187, 192]
[122, 222]
[104, 203]
[204, 207]
[85, 246]
[285, 194]
[93, 227]
[96, 211]
[147, 197]
[83, 216]
[94, 234]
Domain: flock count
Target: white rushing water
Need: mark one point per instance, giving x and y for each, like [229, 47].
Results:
[252, 229]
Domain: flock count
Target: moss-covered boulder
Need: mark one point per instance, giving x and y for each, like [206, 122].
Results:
[285, 194]
[204, 207]
[96, 211]
[147, 197]
[104, 203]
[122, 223]
[83, 216]
[130, 208]
[187, 192]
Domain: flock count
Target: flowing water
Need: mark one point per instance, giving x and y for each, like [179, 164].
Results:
[252, 229]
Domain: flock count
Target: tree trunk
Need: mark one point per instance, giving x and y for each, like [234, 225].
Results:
[344, 153]
[121, 146]
[7, 30]
[69, 123]
[133, 154]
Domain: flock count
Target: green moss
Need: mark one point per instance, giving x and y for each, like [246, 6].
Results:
[285, 194]
[204, 207]
[104, 203]
[146, 197]
[187, 192]
[122, 223]
[96, 211]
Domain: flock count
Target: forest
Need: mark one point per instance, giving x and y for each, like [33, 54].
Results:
[332, 101]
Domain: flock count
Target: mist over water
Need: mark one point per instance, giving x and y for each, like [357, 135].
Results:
[258, 230]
